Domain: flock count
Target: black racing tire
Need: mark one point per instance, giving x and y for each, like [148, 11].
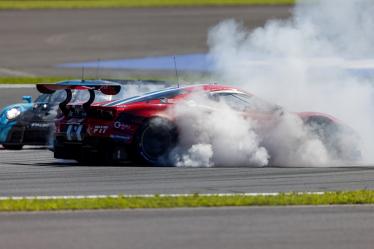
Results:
[13, 146]
[154, 141]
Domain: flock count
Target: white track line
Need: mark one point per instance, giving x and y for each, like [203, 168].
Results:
[54, 197]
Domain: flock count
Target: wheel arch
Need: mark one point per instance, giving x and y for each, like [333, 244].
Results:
[138, 143]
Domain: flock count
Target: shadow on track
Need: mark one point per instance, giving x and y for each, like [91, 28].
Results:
[72, 163]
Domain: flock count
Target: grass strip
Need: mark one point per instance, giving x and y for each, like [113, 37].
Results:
[195, 200]
[32, 80]
[79, 4]
[53, 79]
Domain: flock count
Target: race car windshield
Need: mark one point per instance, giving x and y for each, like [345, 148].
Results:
[243, 102]
[56, 97]
[43, 98]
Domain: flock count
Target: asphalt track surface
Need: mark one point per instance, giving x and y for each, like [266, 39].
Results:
[33, 172]
[33, 42]
[343, 227]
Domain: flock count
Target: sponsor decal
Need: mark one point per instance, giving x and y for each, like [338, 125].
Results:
[121, 126]
[74, 132]
[39, 125]
[100, 129]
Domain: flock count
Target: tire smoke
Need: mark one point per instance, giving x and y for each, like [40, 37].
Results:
[316, 61]
[213, 134]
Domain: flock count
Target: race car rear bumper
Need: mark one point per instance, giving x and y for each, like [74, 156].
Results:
[91, 149]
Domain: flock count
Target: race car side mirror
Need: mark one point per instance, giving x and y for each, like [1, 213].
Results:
[27, 99]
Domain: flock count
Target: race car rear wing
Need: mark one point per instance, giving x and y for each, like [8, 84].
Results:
[106, 87]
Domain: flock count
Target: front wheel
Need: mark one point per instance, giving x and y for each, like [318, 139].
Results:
[342, 142]
[155, 139]
[13, 146]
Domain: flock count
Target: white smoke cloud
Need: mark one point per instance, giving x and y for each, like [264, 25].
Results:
[213, 134]
[196, 156]
[306, 63]
[291, 143]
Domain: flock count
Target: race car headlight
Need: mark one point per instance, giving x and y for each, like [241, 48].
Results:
[13, 113]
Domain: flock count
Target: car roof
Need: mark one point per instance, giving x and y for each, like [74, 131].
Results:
[178, 90]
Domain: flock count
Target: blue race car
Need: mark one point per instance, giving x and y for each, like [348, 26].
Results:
[29, 123]
[32, 123]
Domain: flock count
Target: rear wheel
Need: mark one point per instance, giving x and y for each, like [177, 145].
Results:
[155, 139]
[13, 146]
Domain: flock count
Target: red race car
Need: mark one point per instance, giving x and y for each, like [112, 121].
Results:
[144, 127]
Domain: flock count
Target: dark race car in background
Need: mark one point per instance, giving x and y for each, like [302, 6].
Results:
[32, 123]
[143, 127]
[29, 123]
